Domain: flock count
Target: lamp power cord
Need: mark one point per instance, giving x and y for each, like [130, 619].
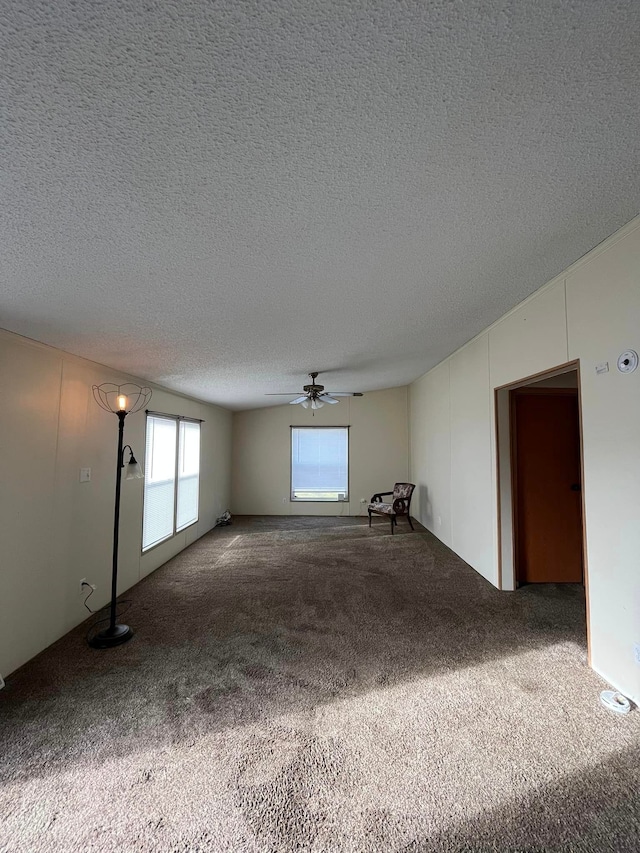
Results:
[95, 626]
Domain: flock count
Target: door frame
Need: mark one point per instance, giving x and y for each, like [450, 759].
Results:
[506, 508]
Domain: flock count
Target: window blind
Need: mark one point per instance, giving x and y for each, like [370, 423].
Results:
[159, 481]
[188, 474]
[319, 464]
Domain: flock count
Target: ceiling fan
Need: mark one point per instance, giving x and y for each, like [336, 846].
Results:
[315, 396]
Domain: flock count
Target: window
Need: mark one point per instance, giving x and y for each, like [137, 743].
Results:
[172, 478]
[319, 463]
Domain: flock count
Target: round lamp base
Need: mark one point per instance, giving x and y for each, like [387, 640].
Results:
[111, 637]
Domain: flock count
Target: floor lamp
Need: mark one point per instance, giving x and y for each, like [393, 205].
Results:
[121, 400]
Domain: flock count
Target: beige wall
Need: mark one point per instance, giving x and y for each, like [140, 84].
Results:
[378, 451]
[590, 313]
[430, 450]
[55, 530]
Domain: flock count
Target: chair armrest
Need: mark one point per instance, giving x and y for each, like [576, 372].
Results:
[377, 498]
[400, 506]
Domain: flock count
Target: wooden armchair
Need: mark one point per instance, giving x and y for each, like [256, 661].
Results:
[400, 504]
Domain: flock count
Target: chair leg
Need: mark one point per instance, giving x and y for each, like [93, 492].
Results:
[369, 518]
[409, 520]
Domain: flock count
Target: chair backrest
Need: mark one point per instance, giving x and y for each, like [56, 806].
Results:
[403, 490]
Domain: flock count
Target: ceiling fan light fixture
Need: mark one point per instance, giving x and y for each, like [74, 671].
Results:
[314, 395]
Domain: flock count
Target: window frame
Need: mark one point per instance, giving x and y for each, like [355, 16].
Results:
[346, 498]
[177, 419]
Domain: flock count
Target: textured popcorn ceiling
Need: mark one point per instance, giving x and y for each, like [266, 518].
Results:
[223, 196]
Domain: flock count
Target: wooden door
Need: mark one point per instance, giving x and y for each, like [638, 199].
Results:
[546, 464]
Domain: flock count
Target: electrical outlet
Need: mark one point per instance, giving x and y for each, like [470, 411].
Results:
[363, 500]
[284, 500]
[84, 586]
[636, 653]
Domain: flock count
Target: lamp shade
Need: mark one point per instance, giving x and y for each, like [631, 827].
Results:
[134, 470]
[127, 398]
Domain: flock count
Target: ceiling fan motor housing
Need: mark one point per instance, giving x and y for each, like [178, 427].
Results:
[313, 389]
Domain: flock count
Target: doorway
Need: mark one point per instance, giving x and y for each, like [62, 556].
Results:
[562, 381]
[541, 523]
[545, 464]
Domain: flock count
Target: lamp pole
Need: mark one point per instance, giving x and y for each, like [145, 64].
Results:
[117, 634]
[116, 532]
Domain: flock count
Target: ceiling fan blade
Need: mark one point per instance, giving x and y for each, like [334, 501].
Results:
[327, 399]
[298, 400]
[283, 394]
[344, 393]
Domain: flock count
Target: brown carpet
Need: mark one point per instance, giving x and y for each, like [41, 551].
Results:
[313, 685]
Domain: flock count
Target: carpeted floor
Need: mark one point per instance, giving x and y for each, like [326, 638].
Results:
[313, 685]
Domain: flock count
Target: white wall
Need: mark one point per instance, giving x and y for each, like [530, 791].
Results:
[55, 530]
[591, 313]
[378, 453]
[430, 451]
[603, 320]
